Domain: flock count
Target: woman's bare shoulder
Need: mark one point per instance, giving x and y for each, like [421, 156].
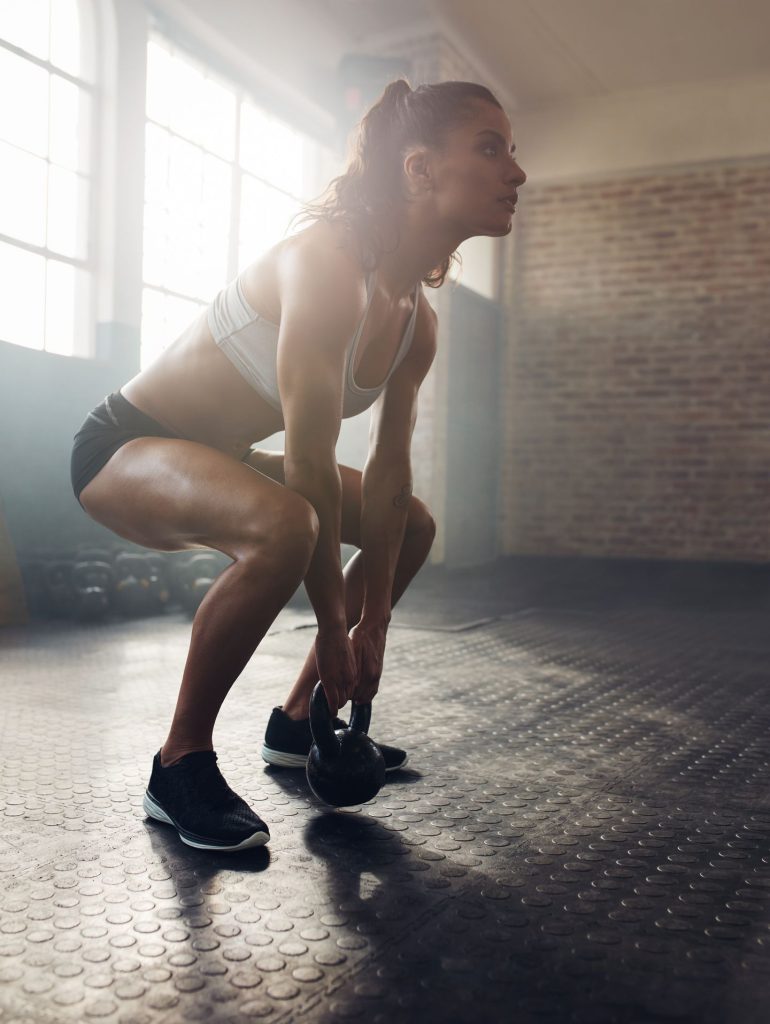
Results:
[323, 263]
[323, 241]
[322, 252]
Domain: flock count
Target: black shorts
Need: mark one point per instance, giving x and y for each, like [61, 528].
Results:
[106, 428]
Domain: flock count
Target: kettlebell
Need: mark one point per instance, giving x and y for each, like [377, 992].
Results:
[344, 766]
[196, 577]
[58, 585]
[158, 578]
[92, 582]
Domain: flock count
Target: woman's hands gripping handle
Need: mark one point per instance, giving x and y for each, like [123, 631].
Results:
[350, 665]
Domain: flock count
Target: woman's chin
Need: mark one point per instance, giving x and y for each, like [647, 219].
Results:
[498, 230]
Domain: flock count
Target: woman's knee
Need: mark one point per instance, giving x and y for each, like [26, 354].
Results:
[289, 534]
[420, 524]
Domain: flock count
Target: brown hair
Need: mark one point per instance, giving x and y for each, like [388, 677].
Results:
[365, 196]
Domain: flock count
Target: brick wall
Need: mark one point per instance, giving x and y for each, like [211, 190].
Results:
[638, 376]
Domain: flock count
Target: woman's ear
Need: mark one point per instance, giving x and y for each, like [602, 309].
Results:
[418, 171]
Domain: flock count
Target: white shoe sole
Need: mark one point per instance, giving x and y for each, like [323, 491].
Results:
[283, 760]
[154, 810]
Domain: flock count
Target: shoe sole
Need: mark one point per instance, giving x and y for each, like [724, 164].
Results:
[153, 810]
[281, 759]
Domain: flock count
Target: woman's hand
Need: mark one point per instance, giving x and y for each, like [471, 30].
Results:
[336, 663]
[368, 640]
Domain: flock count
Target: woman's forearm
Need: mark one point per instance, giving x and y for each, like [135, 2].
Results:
[385, 493]
[322, 487]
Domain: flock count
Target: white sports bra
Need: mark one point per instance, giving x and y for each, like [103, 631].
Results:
[250, 342]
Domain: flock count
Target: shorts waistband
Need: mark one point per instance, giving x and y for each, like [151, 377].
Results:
[116, 411]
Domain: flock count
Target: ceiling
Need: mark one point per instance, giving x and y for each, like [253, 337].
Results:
[541, 52]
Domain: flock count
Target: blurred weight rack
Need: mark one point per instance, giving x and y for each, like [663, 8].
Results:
[104, 583]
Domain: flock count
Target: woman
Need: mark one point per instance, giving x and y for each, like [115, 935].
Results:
[167, 461]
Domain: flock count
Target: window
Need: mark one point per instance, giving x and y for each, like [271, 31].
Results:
[222, 180]
[45, 169]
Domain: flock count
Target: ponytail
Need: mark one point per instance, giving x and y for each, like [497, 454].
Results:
[366, 197]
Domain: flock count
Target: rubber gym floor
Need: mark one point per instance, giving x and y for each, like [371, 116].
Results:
[582, 833]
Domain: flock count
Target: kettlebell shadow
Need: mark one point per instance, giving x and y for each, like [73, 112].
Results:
[366, 866]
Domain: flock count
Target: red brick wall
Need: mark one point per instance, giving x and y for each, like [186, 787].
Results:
[638, 383]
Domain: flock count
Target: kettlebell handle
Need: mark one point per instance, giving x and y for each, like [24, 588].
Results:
[322, 726]
[361, 716]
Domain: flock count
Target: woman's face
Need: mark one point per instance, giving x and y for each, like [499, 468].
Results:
[476, 176]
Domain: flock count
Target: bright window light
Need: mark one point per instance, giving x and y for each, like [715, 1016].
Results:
[25, 181]
[271, 150]
[27, 26]
[45, 127]
[22, 310]
[65, 35]
[222, 180]
[24, 124]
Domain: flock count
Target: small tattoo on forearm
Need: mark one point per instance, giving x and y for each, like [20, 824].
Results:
[402, 498]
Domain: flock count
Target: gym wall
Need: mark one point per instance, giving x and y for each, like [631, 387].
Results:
[638, 373]
[45, 399]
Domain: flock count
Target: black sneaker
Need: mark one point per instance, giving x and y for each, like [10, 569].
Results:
[193, 796]
[288, 742]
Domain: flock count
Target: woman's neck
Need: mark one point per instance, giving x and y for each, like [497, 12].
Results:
[422, 246]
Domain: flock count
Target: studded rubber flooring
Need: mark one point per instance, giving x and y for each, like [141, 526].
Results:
[582, 833]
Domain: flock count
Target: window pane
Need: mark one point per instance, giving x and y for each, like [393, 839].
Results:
[196, 107]
[70, 125]
[155, 244]
[67, 212]
[26, 25]
[25, 124]
[271, 150]
[68, 303]
[65, 36]
[186, 249]
[23, 195]
[265, 215]
[215, 119]
[164, 317]
[185, 173]
[159, 87]
[216, 194]
[155, 164]
[22, 308]
[60, 308]
[184, 89]
[153, 336]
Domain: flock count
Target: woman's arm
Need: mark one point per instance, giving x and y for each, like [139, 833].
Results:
[386, 484]
[322, 300]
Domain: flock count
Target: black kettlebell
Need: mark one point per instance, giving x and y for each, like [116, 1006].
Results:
[58, 585]
[196, 577]
[131, 590]
[92, 581]
[344, 766]
[158, 578]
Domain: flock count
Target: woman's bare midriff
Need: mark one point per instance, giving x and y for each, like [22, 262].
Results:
[194, 390]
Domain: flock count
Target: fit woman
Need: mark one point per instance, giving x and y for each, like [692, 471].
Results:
[328, 322]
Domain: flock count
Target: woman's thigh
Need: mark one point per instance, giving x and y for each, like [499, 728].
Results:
[171, 494]
[271, 464]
